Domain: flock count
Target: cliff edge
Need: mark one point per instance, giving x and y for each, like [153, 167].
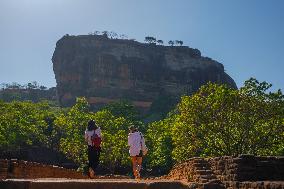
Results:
[105, 70]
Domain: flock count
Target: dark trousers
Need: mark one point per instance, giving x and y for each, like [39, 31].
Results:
[93, 157]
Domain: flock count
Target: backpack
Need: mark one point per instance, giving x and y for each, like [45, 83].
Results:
[96, 140]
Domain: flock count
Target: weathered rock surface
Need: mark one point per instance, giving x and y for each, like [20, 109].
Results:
[105, 70]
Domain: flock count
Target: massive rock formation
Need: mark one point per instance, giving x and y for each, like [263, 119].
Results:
[105, 70]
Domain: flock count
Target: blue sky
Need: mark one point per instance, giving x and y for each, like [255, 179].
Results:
[247, 36]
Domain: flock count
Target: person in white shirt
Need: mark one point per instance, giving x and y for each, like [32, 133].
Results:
[136, 143]
[92, 135]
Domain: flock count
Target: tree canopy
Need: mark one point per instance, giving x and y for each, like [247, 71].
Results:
[150, 39]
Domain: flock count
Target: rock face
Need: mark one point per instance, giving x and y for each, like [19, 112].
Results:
[105, 70]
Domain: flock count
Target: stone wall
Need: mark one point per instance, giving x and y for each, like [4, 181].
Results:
[255, 185]
[242, 172]
[193, 170]
[19, 169]
[3, 168]
[39, 154]
[248, 168]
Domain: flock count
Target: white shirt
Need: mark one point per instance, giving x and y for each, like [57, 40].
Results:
[134, 143]
[89, 134]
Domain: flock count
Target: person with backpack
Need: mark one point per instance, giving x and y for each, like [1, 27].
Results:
[93, 139]
[137, 149]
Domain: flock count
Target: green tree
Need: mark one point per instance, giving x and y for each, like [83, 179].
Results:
[179, 42]
[23, 124]
[96, 32]
[114, 147]
[218, 120]
[150, 39]
[105, 34]
[123, 108]
[70, 127]
[159, 141]
[160, 42]
[171, 43]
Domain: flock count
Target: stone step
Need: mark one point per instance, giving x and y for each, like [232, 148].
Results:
[201, 166]
[210, 177]
[199, 161]
[203, 171]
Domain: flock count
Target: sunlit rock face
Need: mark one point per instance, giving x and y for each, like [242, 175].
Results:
[105, 70]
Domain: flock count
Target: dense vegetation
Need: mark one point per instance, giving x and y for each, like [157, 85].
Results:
[215, 121]
[31, 91]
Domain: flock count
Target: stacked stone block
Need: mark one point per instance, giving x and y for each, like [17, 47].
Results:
[224, 167]
[193, 170]
[3, 168]
[242, 172]
[270, 168]
[248, 168]
[19, 169]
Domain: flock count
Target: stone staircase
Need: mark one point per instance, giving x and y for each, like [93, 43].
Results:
[202, 172]
[198, 171]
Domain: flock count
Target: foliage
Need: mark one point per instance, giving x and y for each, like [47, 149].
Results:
[31, 91]
[127, 110]
[113, 35]
[160, 144]
[114, 147]
[69, 129]
[163, 105]
[110, 35]
[150, 39]
[179, 42]
[23, 123]
[123, 108]
[171, 43]
[105, 34]
[160, 42]
[28, 124]
[218, 120]
[215, 121]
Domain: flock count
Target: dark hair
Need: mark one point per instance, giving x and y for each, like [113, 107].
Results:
[132, 128]
[92, 125]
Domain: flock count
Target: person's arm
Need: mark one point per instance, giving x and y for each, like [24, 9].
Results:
[86, 137]
[100, 134]
[98, 131]
[143, 140]
[129, 142]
